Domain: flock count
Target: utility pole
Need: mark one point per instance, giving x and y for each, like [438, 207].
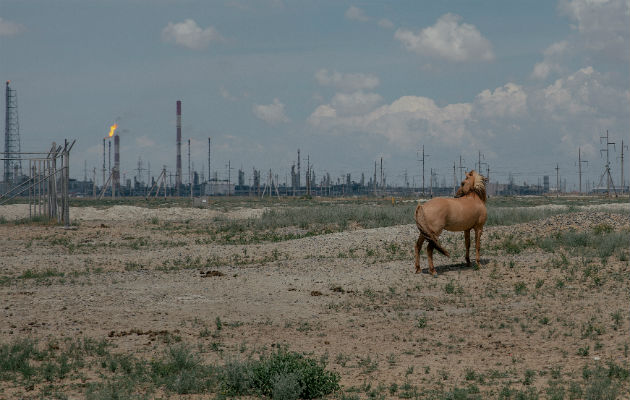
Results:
[557, 181]
[299, 174]
[479, 164]
[209, 147]
[189, 175]
[382, 186]
[607, 169]
[461, 169]
[623, 148]
[580, 161]
[454, 180]
[308, 174]
[229, 167]
[423, 159]
[488, 177]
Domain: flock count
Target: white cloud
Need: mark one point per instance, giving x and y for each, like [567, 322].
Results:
[9, 28]
[575, 109]
[385, 23]
[355, 103]
[556, 49]
[572, 111]
[227, 95]
[448, 39]
[542, 70]
[507, 101]
[602, 24]
[321, 113]
[403, 122]
[189, 34]
[356, 14]
[552, 60]
[571, 96]
[346, 82]
[582, 104]
[271, 113]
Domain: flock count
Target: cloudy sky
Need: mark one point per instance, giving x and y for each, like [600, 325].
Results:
[348, 82]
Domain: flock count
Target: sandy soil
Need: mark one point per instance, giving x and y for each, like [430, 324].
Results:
[351, 296]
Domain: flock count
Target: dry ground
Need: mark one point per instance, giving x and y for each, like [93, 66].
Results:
[528, 320]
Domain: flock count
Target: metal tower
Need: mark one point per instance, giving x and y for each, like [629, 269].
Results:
[178, 176]
[12, 162]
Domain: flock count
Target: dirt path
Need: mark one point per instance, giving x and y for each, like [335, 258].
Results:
[351, 297]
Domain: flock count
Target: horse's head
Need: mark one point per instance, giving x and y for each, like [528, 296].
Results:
[473, 183]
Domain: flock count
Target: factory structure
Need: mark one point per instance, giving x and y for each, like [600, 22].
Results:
[299, 181]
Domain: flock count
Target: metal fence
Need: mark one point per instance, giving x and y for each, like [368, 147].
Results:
[45, 186]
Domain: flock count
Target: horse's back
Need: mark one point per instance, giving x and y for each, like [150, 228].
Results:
[459, 214]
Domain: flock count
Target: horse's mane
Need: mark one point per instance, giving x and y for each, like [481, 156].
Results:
[479, 185]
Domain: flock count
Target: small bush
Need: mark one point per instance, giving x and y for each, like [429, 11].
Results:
[602, 228]
[16, 357]
[286, 387]
[520, 288]
[237, 378]
[311, 376]
[181, 371]
[600, 384]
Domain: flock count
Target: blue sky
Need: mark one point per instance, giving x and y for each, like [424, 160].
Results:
[526, 83]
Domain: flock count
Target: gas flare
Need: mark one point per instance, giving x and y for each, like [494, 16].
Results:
[112, 129]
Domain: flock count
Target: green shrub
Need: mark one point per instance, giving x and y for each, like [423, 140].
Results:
[16, 358]
[520, 288]
[603, 245]
[237, 378]
[181, 371]
[311, 376]
[600, 385]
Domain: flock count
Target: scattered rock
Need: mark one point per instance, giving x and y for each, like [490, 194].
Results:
[211, 273]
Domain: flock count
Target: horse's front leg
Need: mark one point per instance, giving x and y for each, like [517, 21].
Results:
[418, 246]
[467, 242]
[430, 248]
[478, 233]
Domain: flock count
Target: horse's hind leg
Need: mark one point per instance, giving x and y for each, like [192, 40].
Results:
[418, 247]
[467, 242]
[430, 248]
[478, 233]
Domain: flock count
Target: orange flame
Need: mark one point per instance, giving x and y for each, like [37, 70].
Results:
[112, 129]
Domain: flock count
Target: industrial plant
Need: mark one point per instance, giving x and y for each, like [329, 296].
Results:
[20, 181]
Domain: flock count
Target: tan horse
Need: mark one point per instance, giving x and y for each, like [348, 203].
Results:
[465, 212]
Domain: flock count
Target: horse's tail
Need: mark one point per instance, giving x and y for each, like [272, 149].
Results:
[428, 234]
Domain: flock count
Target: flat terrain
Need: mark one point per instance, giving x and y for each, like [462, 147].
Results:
[544, 316]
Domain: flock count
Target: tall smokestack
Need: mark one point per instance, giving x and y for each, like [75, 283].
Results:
[116, 175]
[104, 162]
[209, 158]
[299, 174]
[178, 176]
